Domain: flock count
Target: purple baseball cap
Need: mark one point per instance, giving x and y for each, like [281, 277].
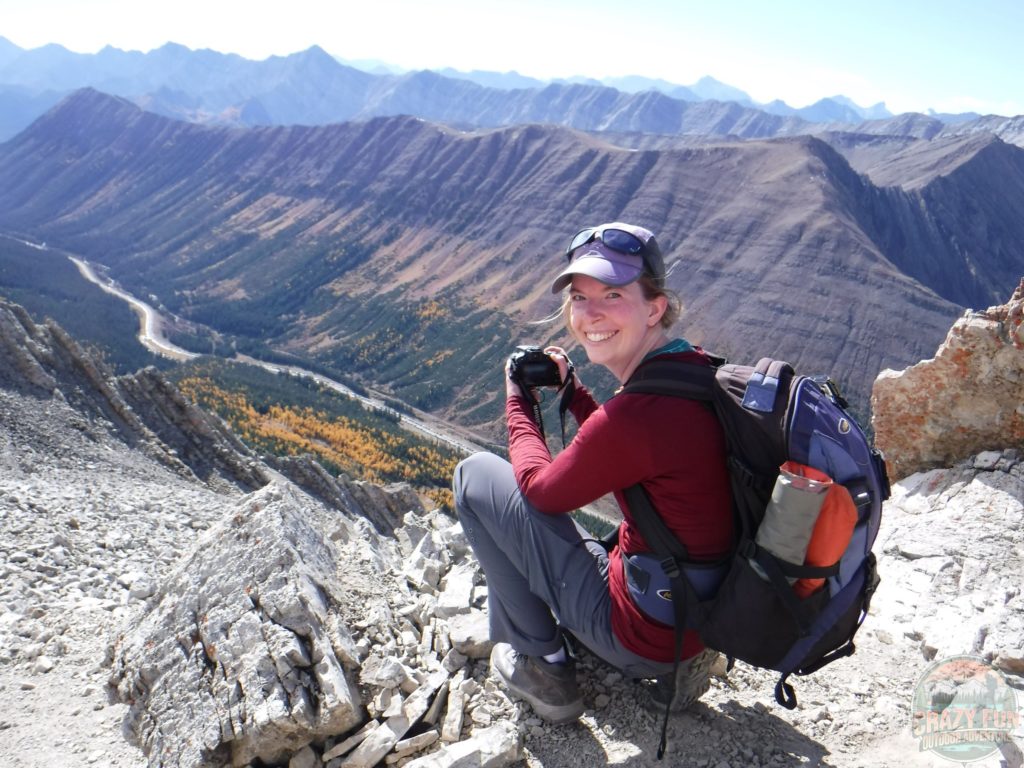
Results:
[615, 253]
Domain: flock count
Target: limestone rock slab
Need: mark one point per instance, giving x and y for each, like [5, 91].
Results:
[237, 660]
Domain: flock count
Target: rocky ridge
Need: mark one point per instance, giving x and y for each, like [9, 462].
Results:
[239, 625]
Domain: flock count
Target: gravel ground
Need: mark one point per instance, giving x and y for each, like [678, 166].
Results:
[89, 525]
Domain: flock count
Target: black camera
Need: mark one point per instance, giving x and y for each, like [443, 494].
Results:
[532, 367]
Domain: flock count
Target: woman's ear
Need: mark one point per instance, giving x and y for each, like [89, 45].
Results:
[656, 309]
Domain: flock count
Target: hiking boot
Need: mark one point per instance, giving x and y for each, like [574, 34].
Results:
[692, 681]
[549, 688]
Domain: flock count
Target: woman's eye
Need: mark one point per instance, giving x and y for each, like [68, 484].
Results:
[576, 297]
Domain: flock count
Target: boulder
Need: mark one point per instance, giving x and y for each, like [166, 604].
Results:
[240, 659]
[967, 399]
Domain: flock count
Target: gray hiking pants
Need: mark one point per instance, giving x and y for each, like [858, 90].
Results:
[542, 570]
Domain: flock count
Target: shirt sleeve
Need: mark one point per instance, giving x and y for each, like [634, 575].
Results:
[524, 434]
[607, 454]
[582, 404]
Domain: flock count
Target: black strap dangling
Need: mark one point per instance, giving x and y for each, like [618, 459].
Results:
[535, 409]
[568, 391]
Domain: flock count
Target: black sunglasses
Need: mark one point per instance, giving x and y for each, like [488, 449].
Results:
[617, 239]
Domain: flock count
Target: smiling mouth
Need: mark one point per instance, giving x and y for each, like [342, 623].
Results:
[600, 336]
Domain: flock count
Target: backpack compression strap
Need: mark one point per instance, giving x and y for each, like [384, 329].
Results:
[674, 556]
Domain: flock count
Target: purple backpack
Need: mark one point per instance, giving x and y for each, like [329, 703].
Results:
[770, 415]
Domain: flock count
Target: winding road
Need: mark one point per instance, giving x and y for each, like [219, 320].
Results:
[151, 335]
[150, 322]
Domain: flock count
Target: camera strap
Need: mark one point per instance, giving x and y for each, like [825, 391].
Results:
[535, 409]
[568, 390]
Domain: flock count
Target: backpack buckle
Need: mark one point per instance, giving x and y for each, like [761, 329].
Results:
[671, 568]
[831, 389]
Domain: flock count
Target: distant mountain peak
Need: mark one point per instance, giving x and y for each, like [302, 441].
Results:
[8, 50]
[53, 48]
[314, 50]
[171, 47]
[507, 81]
[874, 112]
[90, 95]
[710, 88]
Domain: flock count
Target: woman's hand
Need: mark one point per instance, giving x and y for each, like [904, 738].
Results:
[562, 361]
[511, 388]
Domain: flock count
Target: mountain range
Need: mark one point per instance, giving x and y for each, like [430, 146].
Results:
[415, 255]
[833, 109]
[314, 88]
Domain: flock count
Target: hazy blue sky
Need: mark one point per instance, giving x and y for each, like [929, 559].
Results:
[911, 54]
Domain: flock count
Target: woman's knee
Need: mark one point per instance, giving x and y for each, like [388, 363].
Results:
[474, 475]
[461, 477]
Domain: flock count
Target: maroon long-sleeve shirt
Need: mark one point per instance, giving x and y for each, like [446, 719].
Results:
[674, 447]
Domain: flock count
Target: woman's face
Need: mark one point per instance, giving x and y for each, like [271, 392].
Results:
[617, 326]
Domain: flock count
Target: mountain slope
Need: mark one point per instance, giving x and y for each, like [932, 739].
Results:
[401, 250]
[957, 224]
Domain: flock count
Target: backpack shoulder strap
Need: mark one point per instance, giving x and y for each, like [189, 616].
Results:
[675, 379]
[764, 382]
[659, 538]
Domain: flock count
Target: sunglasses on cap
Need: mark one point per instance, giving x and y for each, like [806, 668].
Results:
[617, 239]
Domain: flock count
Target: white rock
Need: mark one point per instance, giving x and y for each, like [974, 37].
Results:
[142, 587]
[493, 747]
[384, 673]
[451, 728]
[351, 742]
[373, 749]
[987, 460]
[470, 634]
[457, 596]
